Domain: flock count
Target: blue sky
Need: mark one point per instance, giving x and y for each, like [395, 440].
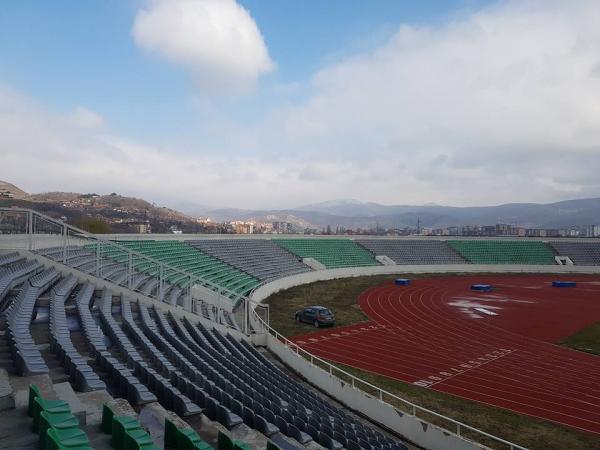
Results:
[68, 53]
[388, 101]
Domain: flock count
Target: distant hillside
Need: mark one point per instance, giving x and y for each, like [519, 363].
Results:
[122, 213]
[12, 189]
[110, 201]
[355, 214]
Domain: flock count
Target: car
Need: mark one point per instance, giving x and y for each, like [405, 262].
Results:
[316, 315]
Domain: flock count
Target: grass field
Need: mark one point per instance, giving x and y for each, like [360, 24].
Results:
[341, 296]
[586, 340]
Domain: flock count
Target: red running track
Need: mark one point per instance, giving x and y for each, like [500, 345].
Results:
[493, 347]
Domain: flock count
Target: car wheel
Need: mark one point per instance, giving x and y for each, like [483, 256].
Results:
[316, 324]
[298, 318]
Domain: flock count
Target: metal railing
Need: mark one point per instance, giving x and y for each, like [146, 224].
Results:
[386, 396]
[43, 232]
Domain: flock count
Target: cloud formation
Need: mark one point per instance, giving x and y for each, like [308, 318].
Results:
[217, 39]
[506, 94]
[500, 105]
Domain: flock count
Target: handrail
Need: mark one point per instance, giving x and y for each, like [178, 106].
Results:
[460, 426]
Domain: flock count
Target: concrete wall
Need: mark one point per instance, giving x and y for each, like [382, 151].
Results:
[414, 429]
[330, 274]
[186, 237]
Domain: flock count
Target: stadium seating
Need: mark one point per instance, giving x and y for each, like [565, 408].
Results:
[504, 252]
[580, 253]
[144, 355]
[144, 283]
[332, 253]
[81, 374]
[192, 260]
[260, 258]
[404, 251]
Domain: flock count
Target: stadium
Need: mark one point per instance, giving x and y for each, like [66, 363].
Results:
[128, 342]
[300, 225]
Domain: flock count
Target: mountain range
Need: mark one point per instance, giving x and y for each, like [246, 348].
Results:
[353, 214]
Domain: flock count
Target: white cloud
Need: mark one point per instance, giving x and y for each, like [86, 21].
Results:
[217, 39]
[497, 106]
[85, 118]
[508, 93]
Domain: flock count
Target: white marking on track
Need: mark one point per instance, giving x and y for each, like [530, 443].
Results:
[444, 375]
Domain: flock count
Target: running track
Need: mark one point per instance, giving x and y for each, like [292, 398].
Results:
[496, 347]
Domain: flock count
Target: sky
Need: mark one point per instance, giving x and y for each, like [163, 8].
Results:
[280, 103]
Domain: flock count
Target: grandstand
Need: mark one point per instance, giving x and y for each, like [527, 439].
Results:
[123, 319]
[332, 253]
[192, 260]
[260, 258]
[580, 253]
[136, 351]
[404, 251]
[504, 252]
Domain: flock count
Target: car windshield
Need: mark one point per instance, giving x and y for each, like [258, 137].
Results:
[325, 311]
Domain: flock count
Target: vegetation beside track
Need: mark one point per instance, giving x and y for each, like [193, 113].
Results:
[585, 340]
[341, 297]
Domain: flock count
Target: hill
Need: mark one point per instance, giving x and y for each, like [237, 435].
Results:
[10, 190]
[354, 214]
[123, 214]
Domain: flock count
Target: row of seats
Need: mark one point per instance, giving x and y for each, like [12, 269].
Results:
[261, 258]
[125, 431]
[480, 251]
[120, 374]
[82, 376]
[332, 253]
[28, 359]
[85, 261]
[580, 253]
[184, 257]
[14, 272]
[52, 420]
[404, 251]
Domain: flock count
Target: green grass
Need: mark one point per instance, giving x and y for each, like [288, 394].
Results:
[586, 340]
[341, 297]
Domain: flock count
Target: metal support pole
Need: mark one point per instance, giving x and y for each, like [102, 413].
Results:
[129, 270]
[246, 312]
[65, 243]
[189, 299]
[161, 282]
[98, 249]
[30, 230]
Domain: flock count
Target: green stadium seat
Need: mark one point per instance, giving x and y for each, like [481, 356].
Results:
[63, 421]
[332, 253]
[66, 439]
[34, 392]
[226, 443]
[183, 438]
[49, 406]
[479, 251]
[122, 426]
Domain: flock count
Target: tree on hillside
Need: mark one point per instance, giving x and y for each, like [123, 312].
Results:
[93, 225]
